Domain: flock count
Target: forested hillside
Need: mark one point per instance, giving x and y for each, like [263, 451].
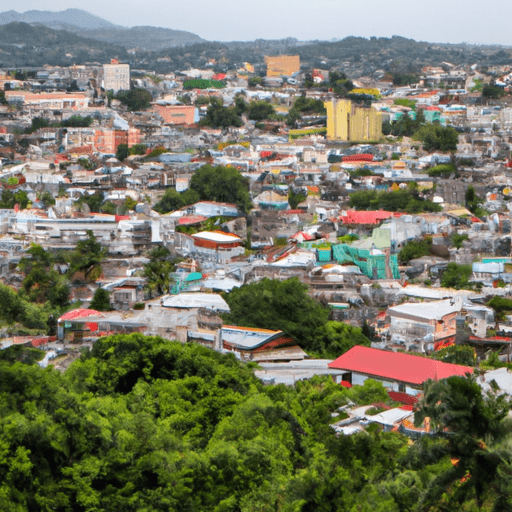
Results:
[144, 424]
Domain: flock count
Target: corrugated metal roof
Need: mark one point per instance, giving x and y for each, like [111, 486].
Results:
[396, 366]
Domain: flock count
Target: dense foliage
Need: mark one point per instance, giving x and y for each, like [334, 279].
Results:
[218, 116]
[135, 99]
[415, 249]
[437, 138]
[158, 270]
[286, 306]
[144, 424]
[442, 171]
[172, 200]
[407, 200]
[222, 184]
[457, 276]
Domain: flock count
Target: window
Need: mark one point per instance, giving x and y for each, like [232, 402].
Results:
[401, 388]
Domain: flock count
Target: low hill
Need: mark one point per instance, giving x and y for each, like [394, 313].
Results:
[24, 45]
[147, 38]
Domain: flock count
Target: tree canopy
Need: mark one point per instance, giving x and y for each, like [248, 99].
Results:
[407, 200]
[286, 306]
[141, 423]
[222, 184]
[437, 138]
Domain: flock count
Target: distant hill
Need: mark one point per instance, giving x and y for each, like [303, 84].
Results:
[24, 45]
[69, 17]
[94, 27]
[147, 38]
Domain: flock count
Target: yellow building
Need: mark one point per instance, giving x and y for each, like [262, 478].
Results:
[282, 65]
[349, 122]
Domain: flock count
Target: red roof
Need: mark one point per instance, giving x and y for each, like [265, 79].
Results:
[403, 398]
[396, 366]
[80, 313]
[362, 217]
[305, 236]
[191, 219]
[363, 157]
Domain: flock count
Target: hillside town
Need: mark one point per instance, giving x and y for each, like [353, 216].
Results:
[255, 258]
[157, 196]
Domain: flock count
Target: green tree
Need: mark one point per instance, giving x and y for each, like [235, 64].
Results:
[219, 116]
[415, 249]
[172, 200]
[101, 300]
[501, 305]
[222, 184]
[135, 99]
[294, 198]
[458, 410]
[85, 261]
[93, 201]
[158, 271]
[138, 149]
[492, 91]
[457, 276]
[437, 138]
[260, 110]
[41, 281]
[47, 199]
[457, 354]
[286, 306]
[122, 152]
[458, 239]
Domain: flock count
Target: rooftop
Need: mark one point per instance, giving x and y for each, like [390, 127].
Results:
[396, 366]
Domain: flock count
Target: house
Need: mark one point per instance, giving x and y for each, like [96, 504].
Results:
[423, 322]
[398, 372]
[74, 324]
[251, 344]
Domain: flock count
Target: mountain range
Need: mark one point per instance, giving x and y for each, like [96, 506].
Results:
[90, 26]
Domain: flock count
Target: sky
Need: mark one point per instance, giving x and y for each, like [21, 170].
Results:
[443, 21]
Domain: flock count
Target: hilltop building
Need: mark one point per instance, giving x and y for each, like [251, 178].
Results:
[349, 122]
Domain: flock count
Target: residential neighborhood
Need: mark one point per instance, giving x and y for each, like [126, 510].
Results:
[315, 243]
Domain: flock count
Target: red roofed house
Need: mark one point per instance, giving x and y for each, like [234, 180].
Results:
[372, 218]
[66, 323]
[397, 371]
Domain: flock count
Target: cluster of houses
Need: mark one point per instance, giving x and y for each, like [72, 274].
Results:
[348, 258]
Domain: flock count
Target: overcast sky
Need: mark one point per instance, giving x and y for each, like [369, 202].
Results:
[445, 21]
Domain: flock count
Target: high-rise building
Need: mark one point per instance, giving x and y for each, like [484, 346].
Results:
[116, 77]
[349, 122]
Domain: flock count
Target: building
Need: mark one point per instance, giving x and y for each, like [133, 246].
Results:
[116, 77]
[54, 100]
[282, 65]
[259, 344]
[398, 372]
[423, 323]
[349, 122]
[107, 141]
[178, 114]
